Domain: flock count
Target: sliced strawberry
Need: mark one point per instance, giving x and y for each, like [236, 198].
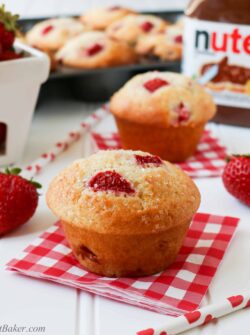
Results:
[9, 55]
[7, 40]
[147, 26]
[148, 161]
[110, 181]
[94, 49]
[178, 39]
[153, 84]
[47, 29]
[183, 113]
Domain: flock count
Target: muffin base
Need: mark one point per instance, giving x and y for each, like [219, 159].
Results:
[125, 255]
[174, 144]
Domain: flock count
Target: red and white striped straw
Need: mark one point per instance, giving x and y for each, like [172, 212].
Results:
[201, 316]
[73, 136]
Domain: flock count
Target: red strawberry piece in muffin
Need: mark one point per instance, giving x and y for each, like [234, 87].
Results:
[178, 39]
[154, 84]
[94, 49]
[110, 181]
[47, 29]
[147, 26]
[148, 161]
[183, 113]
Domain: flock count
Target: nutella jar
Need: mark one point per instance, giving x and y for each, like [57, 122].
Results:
[217, 54]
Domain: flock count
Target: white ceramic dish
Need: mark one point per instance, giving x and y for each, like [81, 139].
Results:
[20, 82]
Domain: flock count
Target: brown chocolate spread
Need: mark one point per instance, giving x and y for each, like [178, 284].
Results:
[228, 73]
[222, 50]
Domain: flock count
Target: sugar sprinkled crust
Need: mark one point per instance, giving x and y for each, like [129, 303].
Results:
[101, 18]
[181, 101]
[163, 196]
[53, 33]
[132, 27]
[166, 45]
[95, 50]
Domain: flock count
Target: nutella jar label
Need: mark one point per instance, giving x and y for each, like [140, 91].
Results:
[218, 56]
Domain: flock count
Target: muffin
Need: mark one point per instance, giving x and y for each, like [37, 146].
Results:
[50, 35]
[162, 113]
[132, 27]
[166, 45]
[124, 213]
[93, 50]
[53, 33]
[101, 18]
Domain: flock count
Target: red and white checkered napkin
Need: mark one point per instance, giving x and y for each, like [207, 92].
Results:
[177, 290]
[208, 160]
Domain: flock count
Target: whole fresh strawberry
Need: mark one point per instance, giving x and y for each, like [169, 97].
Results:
[18, 199]
[9, 55]
[8, 26]
[236, 177]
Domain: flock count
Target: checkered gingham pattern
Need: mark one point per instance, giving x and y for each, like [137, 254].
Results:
[208, 160]
[177, 290]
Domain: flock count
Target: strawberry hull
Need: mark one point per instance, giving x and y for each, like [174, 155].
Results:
[20, 83]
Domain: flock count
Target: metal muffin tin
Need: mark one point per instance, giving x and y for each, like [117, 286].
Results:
[97, 85]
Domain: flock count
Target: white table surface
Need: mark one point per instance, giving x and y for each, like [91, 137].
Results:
[30, 302]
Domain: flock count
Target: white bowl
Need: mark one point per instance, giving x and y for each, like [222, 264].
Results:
[20, 82]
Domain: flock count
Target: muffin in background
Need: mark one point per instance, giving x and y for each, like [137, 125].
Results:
[132, 27]
[166, 45]
[101, 18]
[124, 213]
[94, 49]
[162, 113]
[50, 35]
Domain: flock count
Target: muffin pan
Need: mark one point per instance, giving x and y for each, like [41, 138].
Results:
[99, 84]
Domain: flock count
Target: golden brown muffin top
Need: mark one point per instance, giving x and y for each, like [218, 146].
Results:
[163, 99]
[166, 45]
[132, 27]
[123, 192]
[51, 34]
[101, 18]
[94, 49]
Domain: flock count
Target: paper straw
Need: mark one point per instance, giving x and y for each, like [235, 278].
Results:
[73, 136]
[201, 316]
